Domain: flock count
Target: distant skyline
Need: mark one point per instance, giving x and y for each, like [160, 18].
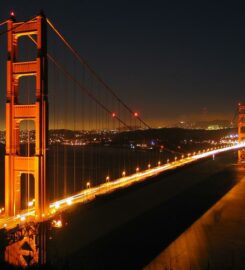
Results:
[169, 60]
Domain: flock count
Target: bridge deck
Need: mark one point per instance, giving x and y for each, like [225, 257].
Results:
[91, 193]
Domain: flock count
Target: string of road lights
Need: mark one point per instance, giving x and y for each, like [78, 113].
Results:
[91, 192]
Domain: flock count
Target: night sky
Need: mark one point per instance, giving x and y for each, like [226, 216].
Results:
[170, 60]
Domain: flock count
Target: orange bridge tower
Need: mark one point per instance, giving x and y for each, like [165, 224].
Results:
[241, 132]
[15, 164]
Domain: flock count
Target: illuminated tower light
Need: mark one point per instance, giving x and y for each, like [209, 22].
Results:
[12, 13]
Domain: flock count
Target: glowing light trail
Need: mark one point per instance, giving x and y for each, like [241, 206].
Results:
[91, 192]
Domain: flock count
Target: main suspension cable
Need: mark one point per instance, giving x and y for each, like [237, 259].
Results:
[92, 71]
[85, 89]
[81, 86]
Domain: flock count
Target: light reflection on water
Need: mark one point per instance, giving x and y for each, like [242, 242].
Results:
[215, 241]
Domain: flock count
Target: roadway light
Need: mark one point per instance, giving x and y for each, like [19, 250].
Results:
[149, 165]
[107, 179]
[69, 201]
[137, 169]
[168, 160]
[182, 156]
[57, 205]
[123, 173]
[31, 203]
[88, 184]
[175, 158]
[159, 163]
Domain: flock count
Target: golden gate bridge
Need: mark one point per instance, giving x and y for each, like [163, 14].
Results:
[67, 95]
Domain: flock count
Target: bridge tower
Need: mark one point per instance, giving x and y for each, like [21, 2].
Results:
[241, 132]
[15, 164]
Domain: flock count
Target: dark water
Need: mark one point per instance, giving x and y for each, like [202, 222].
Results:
[69, 168]
[129, 228]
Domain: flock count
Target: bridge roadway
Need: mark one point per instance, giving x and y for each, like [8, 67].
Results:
[91, 192]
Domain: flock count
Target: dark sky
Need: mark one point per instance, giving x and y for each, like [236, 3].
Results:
[171, 60]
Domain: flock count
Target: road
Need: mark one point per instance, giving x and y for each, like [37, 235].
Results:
[92, 192]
